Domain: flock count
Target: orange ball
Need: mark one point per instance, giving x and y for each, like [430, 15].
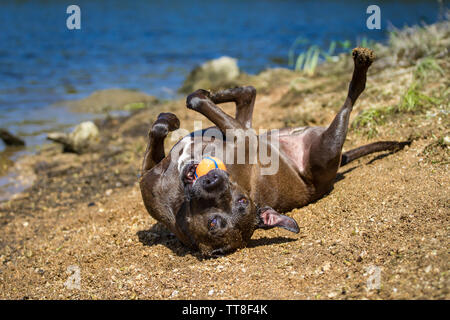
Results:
[208, 164]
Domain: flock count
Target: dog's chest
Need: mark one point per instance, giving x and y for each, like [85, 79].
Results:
[191, 149]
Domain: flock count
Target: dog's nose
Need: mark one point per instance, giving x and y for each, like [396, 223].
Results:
[212, 180]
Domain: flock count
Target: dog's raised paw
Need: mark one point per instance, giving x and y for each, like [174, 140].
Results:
[194, 100]
[363, 57]
[172, 120]
[165, 123]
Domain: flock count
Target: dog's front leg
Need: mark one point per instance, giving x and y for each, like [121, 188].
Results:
[154, 153]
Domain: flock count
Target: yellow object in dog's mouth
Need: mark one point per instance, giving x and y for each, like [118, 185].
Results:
[207, 164]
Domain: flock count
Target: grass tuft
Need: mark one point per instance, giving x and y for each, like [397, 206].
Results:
[426, 68]
[412, 102]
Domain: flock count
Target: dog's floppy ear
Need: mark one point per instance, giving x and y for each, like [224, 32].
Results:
[269, 218]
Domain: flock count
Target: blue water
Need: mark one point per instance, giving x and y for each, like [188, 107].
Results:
[152, 45]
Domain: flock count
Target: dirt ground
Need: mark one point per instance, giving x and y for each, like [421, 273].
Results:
[381, 233]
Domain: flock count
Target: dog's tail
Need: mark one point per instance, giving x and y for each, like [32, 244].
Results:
[354, 154]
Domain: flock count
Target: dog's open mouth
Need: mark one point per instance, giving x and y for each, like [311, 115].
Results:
[189, 173]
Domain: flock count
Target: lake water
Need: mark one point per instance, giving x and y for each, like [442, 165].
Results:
[152, 45]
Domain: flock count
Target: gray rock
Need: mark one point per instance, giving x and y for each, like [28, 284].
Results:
[83, 138]
[211, 75]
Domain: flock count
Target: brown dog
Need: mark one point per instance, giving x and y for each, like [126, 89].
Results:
[219, 212]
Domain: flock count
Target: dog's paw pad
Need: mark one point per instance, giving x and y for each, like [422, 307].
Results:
[160, 129]
[172, 121]
[194, 100]
[363, 57]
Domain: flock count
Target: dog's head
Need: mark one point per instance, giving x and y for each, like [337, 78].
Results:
[218, 216]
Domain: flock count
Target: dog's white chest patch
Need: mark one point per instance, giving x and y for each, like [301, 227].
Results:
[185, 155]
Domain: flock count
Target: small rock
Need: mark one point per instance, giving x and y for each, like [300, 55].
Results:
[447, 140]
[326, 267]
[332, 295]
[39, 271]
[219, 268]
[9, 139]
[81, 139]
[211, 292]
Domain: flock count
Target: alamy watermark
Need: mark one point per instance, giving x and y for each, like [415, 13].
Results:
[74, 20]
[74, 280]
[236, 146]
[374, 20]
[374, 278]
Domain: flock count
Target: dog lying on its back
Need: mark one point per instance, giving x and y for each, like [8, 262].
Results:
[218, 212]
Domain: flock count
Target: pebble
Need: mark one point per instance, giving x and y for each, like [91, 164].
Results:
[332, 295]
[326, 266]
[447, 140]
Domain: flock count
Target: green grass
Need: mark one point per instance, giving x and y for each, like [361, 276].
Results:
[308, 60]
[134, 106]
[412, 102]
[370, 119]
[427, 68]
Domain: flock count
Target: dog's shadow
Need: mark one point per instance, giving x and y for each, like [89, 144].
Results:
[341, 175]
[159, 235]
[265, 241]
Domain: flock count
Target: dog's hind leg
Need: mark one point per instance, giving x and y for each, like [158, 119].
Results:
[326, 148]
[362, 151]
[244, 97]
[165, 123]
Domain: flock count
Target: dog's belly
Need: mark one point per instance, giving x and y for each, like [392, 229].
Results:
[293, 144]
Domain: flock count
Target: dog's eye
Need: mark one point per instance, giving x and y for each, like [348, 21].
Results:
[243, 201]
[213, 223]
